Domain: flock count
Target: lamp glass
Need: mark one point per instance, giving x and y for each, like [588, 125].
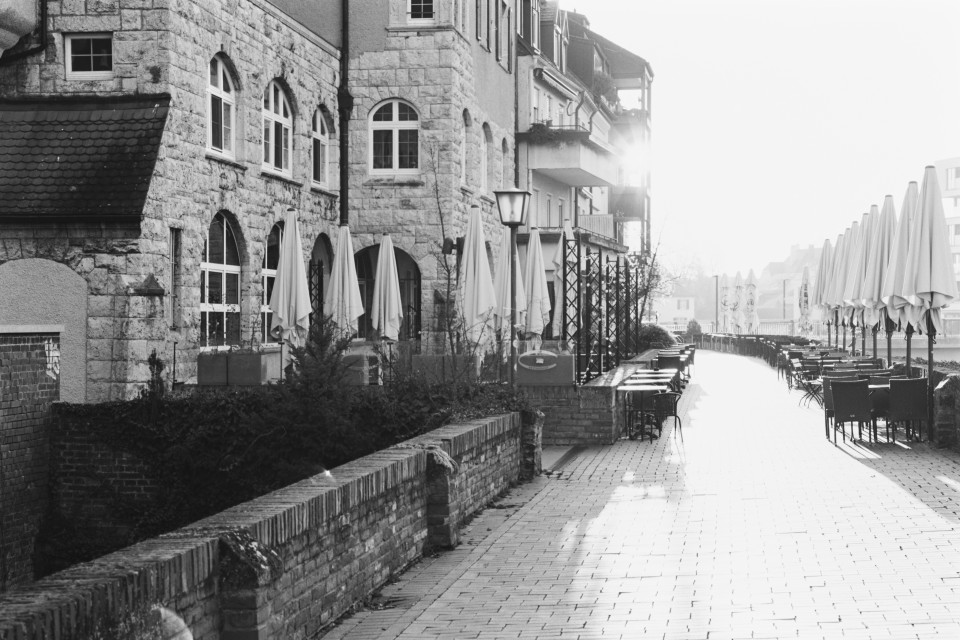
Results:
[512, 205]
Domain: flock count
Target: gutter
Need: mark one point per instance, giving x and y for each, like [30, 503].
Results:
[344, 109]
[10, 58]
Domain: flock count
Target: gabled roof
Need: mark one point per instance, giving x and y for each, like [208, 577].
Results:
[622, 63]
[78, 159]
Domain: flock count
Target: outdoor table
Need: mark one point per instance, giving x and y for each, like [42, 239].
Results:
[641, 389]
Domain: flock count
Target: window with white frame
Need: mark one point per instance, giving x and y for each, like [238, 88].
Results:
[485, 163]
[953, 178]
[220, 286]
[420, 10]
[220, 108]
[536, 104]
[479, 18]
[492, 15]
[394, 138]
[88, 56]
[535, 23]
[321, 149]
[268, 274]
[277, 129]
[175, 282]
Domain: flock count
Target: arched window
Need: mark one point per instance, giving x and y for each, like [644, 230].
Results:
[408, 273]
[486, 166]
[464, 146]
[271, 258]
[221, 108]
[220, 285]
[277, 129]
[505, 176]
[394, 138]
[321, 149]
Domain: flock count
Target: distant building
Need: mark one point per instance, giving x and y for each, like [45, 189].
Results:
[948, 175]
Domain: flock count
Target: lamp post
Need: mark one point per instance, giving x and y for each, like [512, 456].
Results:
[512, 205]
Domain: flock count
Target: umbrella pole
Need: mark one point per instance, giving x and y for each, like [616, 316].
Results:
[930, 335]
[828, 334]
[887, 325]
[876, 328]
[909, 333]
[844, 341]
[863, 335]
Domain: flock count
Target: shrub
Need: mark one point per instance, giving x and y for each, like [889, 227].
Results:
[655, 337]
[693, 331]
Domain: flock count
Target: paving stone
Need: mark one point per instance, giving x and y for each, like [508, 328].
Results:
[751, 526]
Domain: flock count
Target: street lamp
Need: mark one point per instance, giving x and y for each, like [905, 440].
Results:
[512, 205]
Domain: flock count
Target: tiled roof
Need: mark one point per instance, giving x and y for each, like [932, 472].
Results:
[74, 159]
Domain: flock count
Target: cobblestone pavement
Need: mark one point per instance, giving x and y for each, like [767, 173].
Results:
[752, 526]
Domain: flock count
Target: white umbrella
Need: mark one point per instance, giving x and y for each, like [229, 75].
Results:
[290, 299]
[502, 286]
[750, 314]
[803, 302]
[725, 304]
[476, 294]
[343, 301]
[535, 286]
[893, 278]
[387, 307]
[872, 292]
[736, 304]
[933, 285]
[837, 280]
[558, 257]
[820, 285]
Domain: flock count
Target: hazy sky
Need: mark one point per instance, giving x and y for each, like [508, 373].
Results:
[779, 122]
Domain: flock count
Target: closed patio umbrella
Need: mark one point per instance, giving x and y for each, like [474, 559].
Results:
[387, 308]
[736, 305]
[803, 302]
[750, 313]
[343, 300]
[839, 279]
[930, 283]
[535, 286]
[502, 287]
[893, 278]
[820, 286]
[290, 299]
[854, 276]
[725, 304]
[558, 257]
[476, 294]
[872, 291]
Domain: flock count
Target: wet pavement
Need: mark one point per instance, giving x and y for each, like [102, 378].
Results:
[751, 526]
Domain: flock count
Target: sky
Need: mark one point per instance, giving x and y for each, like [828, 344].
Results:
[779, 122]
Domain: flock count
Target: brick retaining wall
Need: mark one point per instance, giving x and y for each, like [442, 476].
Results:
[283, 565]
[29, 383]
[577, 415]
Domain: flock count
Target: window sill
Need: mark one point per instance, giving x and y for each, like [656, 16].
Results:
[485, 198]
[266, 173]
[224, 160]
[393, 181]
[467, 190]
[326, 191]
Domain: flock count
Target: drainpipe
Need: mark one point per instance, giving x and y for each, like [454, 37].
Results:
[344, 107]
[19, 55]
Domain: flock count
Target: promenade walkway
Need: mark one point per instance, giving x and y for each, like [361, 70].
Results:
[754, 526]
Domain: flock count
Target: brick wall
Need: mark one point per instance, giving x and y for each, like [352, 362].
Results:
[578, 415]
[285, 564]
[29, 383]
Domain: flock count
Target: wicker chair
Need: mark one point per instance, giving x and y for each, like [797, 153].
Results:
[908, 404]
[851, 403]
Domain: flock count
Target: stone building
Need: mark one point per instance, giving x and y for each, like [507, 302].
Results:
[577, 142]
[148, 158]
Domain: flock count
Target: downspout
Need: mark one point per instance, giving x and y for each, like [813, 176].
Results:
[19, 55]
[344, 108]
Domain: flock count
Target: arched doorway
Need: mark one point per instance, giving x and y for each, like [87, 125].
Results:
[318, 273]
[409, 275]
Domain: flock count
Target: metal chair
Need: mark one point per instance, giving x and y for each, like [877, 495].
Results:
[908, 404]
[664, 405]
[851, 403]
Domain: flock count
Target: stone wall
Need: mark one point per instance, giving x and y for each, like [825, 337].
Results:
[578, 415]
[946, 399]
[29, 384]
[285, 564]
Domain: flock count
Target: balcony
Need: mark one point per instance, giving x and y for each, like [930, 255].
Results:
[603, 226]
[632, 126]
[631, 204]
[569, 155]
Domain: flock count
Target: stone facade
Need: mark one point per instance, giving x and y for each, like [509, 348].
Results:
[29, 384]
[165, 48]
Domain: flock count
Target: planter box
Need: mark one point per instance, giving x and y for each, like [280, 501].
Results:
[229, 368]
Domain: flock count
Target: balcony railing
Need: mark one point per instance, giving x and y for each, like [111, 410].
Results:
[569, 154]
[603, 225]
